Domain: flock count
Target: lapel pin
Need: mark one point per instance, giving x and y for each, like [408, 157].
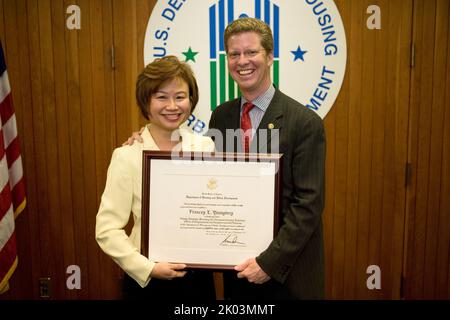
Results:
[271, 126]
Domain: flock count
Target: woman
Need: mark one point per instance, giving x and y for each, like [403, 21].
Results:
[166, 93]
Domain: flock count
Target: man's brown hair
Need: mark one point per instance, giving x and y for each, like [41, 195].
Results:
[250, 25]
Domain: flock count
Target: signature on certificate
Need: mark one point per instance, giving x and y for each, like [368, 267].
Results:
[230, 239]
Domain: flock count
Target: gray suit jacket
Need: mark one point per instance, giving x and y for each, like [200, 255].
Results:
[295, 257]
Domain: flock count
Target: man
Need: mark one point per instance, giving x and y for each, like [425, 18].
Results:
[292, 267]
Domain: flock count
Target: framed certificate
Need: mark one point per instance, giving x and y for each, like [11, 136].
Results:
[209, 210]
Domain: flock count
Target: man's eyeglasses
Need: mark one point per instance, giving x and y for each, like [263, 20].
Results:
[247, 54]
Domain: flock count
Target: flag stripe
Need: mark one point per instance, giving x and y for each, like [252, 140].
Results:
[13, 152]
[2, 149]
[19, 185]
[5, 89]
[10, 247]
[4, 177]
[4, 285]
[15, 172]
[19, 200]
[12, 186]
[9, 131]
[6, 110]
[5, 201]
[7, 227]
[8, 257]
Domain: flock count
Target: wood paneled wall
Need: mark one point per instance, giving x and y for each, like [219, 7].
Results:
[366, 154]
[73, 108]
[427, 257]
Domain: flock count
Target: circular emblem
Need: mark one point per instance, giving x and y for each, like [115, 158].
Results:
[310, 50]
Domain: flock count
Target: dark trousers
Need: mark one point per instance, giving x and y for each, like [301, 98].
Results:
[196, 285]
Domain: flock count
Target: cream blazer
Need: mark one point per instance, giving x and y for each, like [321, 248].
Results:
[122, 197]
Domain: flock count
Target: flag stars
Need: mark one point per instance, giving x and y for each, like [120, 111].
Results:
[298, 54]
[190, 55]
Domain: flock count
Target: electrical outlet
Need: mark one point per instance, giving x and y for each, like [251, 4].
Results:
[45, 289]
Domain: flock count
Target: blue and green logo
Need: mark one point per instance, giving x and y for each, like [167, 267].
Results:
[310, 49]
[223, 87]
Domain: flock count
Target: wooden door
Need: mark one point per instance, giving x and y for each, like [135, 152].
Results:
[366, 154]
[427, 254]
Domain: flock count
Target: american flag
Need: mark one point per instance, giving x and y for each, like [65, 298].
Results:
[12, 187]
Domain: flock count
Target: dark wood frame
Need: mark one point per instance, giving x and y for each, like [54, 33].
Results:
[148, 156]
